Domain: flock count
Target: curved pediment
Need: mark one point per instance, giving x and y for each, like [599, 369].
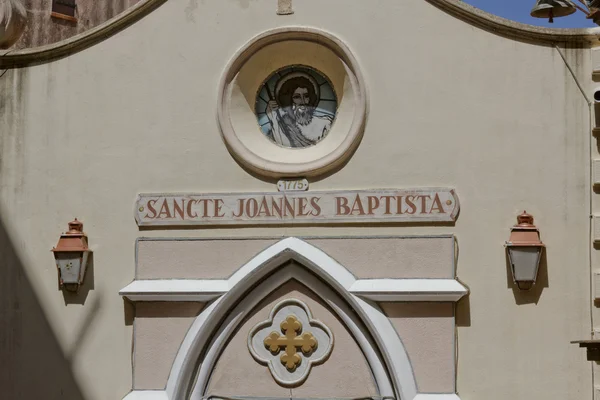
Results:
[18, 58]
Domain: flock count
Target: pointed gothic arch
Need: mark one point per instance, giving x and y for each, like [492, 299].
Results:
[265, 272]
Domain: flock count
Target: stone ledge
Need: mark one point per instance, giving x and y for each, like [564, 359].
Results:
[382, 290]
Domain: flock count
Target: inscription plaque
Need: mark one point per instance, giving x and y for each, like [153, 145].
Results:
[291, 208]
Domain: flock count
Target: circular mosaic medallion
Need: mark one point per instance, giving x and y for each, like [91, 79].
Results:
[296, 106]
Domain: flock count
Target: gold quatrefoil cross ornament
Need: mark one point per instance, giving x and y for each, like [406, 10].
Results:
[290, 342]
[291, 328]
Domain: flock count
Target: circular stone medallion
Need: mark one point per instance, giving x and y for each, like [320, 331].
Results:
[296, 106]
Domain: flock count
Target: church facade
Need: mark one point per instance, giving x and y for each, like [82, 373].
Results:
[298, 199]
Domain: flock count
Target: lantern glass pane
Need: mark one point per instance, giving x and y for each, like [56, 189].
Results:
[69, 264]
[525, 261]
[84, 264]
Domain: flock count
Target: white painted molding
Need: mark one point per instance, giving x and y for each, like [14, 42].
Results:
[436, 396]
[175, 289]
[441, 290]
[409, 289]
[147, 395]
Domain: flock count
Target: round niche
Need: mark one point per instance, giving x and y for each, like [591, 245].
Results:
[292, 103]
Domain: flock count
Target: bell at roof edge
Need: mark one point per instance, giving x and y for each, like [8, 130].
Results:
[552, 8]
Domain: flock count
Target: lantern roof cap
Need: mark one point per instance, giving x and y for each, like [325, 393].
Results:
[525, 220]
[75, 227]
[73, 240]
[524, 233]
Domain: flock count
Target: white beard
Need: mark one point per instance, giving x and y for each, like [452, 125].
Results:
[304, 116]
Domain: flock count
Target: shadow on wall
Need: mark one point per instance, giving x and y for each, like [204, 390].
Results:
[462, 309]
[32, 364]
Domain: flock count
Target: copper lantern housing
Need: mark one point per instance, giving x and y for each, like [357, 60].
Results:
[524, 249]
[71, 255]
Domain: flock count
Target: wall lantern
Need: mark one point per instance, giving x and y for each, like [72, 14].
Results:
[71, 255]
[524, 250]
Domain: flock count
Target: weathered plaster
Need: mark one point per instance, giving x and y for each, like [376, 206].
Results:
[42, 29]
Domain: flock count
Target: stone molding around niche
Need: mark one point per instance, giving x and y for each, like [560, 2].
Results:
[246, 72]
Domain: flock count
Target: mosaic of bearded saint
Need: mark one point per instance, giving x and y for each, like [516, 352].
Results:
[292, 112]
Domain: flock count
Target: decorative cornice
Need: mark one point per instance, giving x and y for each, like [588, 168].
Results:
[74, 44]
[458, 9]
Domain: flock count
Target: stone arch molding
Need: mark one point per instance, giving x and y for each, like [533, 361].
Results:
[209, 334]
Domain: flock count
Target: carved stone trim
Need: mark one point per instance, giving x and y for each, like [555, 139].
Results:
[290, 342]
[311, 165]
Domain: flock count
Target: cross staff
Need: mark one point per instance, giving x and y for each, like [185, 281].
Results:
[278, 124]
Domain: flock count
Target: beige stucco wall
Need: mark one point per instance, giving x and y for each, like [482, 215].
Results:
[500, 120]
[158, 332]
[427, 333]
[365, 258]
